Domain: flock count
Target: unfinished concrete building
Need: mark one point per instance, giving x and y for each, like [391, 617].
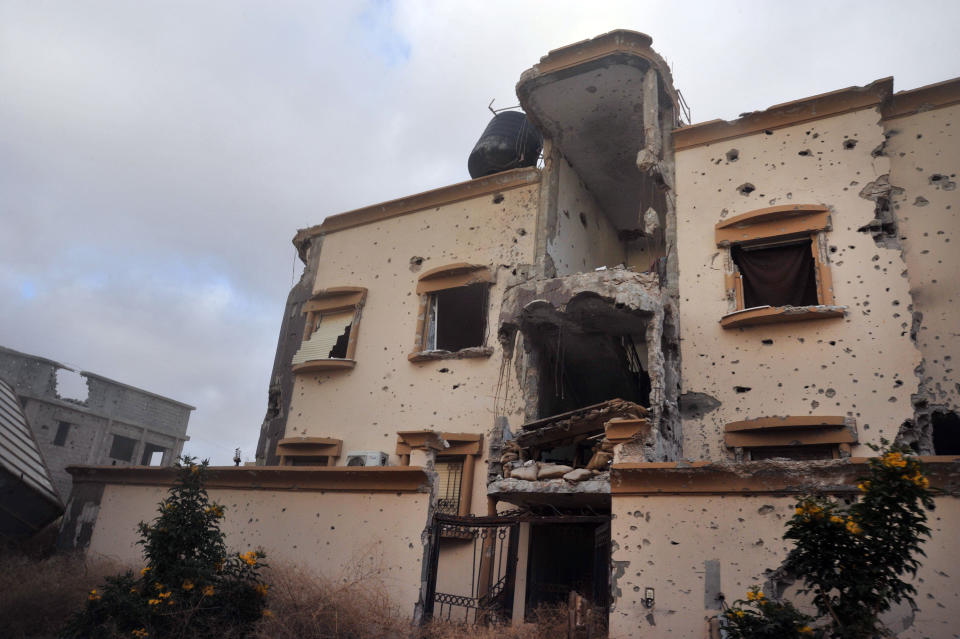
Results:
[83, 418]
[612, 374]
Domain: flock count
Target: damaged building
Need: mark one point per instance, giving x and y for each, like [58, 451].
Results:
[632, 355]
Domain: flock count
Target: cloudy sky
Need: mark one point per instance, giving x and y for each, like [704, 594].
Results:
[156, 158]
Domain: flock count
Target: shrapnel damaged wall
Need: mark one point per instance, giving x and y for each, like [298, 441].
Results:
[692, 532]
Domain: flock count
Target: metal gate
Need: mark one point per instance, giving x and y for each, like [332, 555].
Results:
[493, 551]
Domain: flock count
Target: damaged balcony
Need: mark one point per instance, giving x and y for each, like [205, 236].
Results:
[563, 461]
[591, 338]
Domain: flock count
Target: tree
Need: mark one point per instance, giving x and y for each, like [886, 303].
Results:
[190, 587]
[853, 560]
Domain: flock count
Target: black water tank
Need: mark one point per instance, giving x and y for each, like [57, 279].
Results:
[508, 142]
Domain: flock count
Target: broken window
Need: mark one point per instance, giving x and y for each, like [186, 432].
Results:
[777, 259]
[122, 448]
[315, 460]
[63, 429]
[457, 318]
[449, 479]
[330, 330]
[453, 312]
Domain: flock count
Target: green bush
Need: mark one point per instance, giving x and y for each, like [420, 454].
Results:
[853, 560]
[190, 587]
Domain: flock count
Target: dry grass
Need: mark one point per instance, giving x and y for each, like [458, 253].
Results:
[37, 596]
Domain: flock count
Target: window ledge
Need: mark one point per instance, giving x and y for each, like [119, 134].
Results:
[779, 314]
[463, 353]
[314, 365]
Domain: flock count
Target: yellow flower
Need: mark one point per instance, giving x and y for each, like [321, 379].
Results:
[141, 632]
[807, 630]
[153, 602]
[738, 613]
[208, 591]
[894, 460]
[93, 596]
[187, 585]
[800, 510]
[194, 469]
[144, 571]
[165, 595]
[267, 613]
[853, 527]
[836, 520]
[158, 586]
[262, 589]
[250, 557]
[864, 486]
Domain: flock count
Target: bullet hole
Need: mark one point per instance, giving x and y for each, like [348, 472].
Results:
[805, 153]
[849, 144]
[674, 543]
[444, 370]
[591, 89]
[832, 342]
[456, 386]
[741, 389]
[921, 201]
[498, 198]
[943, 182]
[767, 132]
[415, 263]
[733, 155]
[746, 189]
[830, 392]
[765, 510]
[814, 404]
[583, 220]
[521, 232]
[833, 249]
[766, 342]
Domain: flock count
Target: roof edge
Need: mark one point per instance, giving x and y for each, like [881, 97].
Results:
[764, 477]
[925, 98]
[778, 116]
[396, 479]
[450, 194]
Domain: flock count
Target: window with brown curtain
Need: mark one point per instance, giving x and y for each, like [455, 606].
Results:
[781, 275]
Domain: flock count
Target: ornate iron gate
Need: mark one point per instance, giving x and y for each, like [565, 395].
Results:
[493, 543]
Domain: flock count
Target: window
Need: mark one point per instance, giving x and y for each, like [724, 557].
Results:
[309, 451]
[63, 429]
[449, 476]
[777, 267]
[800, 437]
[122, 448]
[453, 312]
[330, 330]
[455, 468]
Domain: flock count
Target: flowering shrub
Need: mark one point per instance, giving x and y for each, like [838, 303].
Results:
[851, 559]
[190, 586]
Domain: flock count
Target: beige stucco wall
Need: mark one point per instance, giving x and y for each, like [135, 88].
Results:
[385, 393]
[928, 214]
[663, 542]
[861, 365]
[581, 244]
[336, 535]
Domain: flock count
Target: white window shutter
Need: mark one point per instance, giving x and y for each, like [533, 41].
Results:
[324, 338]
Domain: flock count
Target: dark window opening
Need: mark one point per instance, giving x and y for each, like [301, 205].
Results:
[458, 318]
[63, 429]
[152, 455]
[308, 460]
[783, 275]
[582, 369]
[565, 557]
[122, 448]
[946, 433]
[339, 350]
[804, 453]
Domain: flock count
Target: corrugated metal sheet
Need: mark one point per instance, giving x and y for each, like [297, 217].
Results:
[28, 498]
[324, 338]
